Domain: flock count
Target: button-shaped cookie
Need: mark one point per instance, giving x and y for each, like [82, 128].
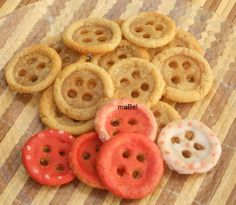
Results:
[149, 29]
[53, 118]
[182, 39]
[187, 74]
[81, 88]
[92, 35]
[33, 69]
[67, 55]
[123, 51]
[137, 79]
[189, 146]
[164, 113]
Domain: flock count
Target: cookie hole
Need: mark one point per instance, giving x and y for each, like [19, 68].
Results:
[72, 93]
[149, 23]
[102, 38]
[122, 56]
[175, 80]
[66, 59]
[190, 78]
[157, 114]
[79, 82]
[132, 122]
[120, 171]
[140, 157]
[186, 65]
[144, 87]
[189, 135]
[58, 113]
[84, 32]
[135, 75]
[110, 63]
[134, 94]
[33, 78]
[87, 97]
[97, 148]
[175, 140]
[136, 174]
[124, 82]
[44, 162]
[146, 35]
[198, 146]
[115, 133]
[173, 64]
[99, 32]
[60, 168]
[31, 61]
[186, 154]
[22, 72]
[138, 29]
[47, 148]
[91, 84]
[75, 121]
[86, 155]
[62, 153]
[159, 27]
[87, 40]
[115, 123]
[41, 66]
[126, 153]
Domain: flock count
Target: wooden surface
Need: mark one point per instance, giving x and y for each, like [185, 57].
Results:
[226, 8]
[19, 115]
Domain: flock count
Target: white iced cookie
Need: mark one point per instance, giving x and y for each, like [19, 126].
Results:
[189, 146]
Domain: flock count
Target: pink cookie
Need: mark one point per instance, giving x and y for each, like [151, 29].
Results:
[125, 115]
[189, 146]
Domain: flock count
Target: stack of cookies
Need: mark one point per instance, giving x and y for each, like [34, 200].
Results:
[94, 60]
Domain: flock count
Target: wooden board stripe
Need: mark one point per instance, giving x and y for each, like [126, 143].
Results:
[174, 185]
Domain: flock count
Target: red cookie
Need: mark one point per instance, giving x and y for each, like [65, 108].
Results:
[130, 165]
[125, 115]
[82, 159]
[45, 157]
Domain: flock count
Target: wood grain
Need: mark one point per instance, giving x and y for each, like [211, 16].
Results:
[30, 24]
[226, 8]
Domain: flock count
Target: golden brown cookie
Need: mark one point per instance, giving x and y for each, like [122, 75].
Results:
[81, 88]
[137, 79]
[164, 113]
[149, 29]
[182, 39]
[124, 50]
[187, 74]
[53, 118]
[67, 55]
[92, 35]
[33, 69]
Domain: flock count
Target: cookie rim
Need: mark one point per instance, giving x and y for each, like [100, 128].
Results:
[100, 48]
[46, 82]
